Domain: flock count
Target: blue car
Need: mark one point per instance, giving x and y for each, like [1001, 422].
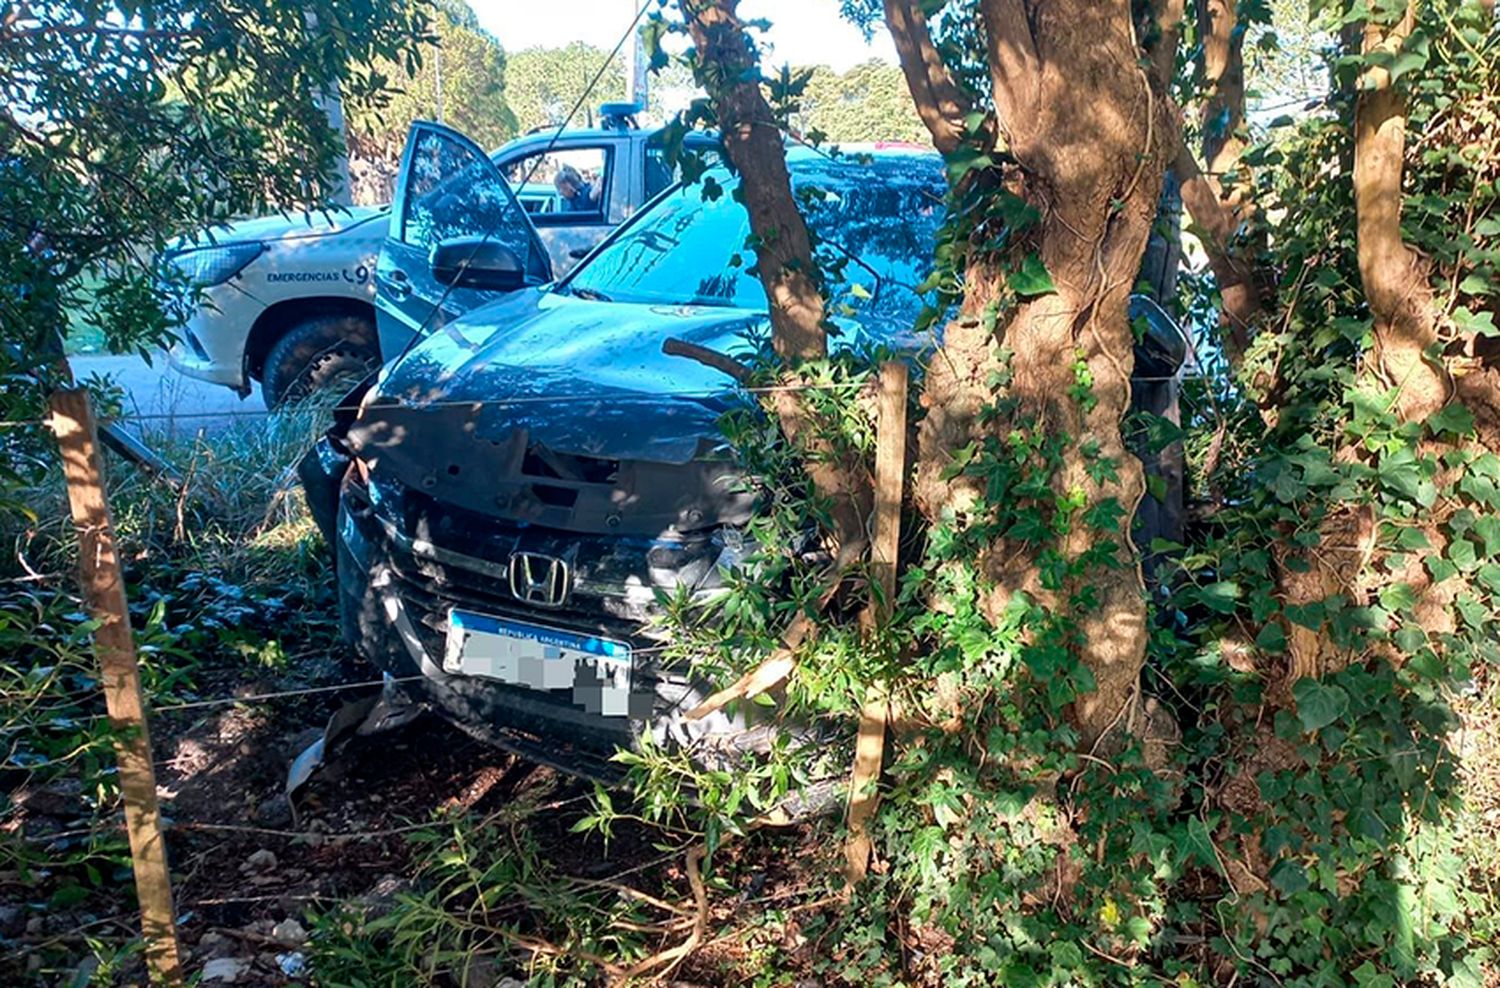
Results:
[509, 497]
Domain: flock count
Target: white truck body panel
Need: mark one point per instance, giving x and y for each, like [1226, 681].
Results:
[333, 256]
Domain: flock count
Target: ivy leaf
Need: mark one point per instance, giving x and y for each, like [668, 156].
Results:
[1032, 279]
[1453, 418]
[1289, 876]
[1198, 843]
[1221, 596]
[1412, 57]
[964, 159]
[1462, 554]
[1272, 637]
[1482, 323]
[1487, 528]
[1475, 284]
[1489, 576]
[1318, 705]
[1412, 539]
[1398, 596]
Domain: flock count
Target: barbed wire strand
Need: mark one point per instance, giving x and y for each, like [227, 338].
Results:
[476, 403]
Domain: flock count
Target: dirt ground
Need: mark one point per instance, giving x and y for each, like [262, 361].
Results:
[249, 865]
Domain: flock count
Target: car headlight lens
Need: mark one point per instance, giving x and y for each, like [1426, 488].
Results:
[204, 267]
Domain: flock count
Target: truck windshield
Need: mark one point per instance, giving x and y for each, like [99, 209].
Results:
[874, 223]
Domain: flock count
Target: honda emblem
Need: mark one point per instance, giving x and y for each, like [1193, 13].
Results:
[539, 580]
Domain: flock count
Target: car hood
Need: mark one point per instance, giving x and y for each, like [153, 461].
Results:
[285, 226]
[565, 412]
[583, 377]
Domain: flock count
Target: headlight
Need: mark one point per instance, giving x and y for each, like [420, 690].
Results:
[204, 267]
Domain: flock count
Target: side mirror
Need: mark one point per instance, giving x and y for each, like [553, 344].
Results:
[477, 262]
[1163, 348]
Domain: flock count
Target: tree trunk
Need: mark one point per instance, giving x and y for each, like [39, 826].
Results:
[1091, 132]
[1217, 199]
[1405, 357]
[1396, 278]
[728, 68]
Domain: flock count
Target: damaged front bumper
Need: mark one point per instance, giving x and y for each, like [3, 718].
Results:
[410, 567]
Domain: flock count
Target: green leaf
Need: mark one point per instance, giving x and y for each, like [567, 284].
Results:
[1198, 843]
[1398, 596]
[1157, 487]
[1272, 637]
[1475, 284]
[1482, 323]
[1032, 279]
[1462, 554]
[1289, 876]
[1318, 704]
[965, 159]
[1440, 568]
[1487, 529]
[1453, 418]
[1412, 57]
[1412, 539]
[1221, 596]
[1489, 577]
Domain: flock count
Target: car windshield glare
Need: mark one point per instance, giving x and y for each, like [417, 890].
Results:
[874, 223]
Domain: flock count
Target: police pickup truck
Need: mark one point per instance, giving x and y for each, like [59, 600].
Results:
[289, 300]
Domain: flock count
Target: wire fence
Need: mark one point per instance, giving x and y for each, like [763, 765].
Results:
[476, 404]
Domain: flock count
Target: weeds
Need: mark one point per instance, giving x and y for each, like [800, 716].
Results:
[225, 575]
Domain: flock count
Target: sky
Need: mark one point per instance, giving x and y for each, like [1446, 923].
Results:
[803, 32]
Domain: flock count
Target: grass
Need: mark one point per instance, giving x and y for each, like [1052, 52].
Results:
[219, 574]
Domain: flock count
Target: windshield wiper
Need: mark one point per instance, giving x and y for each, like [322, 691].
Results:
[589, 294]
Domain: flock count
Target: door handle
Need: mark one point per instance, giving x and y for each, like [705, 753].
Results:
[397, 282]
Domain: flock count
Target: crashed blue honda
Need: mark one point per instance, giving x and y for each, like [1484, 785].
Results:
[510, 496]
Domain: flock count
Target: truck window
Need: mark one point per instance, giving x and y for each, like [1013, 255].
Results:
[661, 173]
[563, 186]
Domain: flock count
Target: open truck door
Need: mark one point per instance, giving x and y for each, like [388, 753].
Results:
[453, 206]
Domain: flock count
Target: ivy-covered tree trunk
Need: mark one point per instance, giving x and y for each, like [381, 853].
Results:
[1396, 278]
[727, 66]
[1049, 354]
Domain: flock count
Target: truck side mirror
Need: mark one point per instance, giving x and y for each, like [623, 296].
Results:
[477, 262]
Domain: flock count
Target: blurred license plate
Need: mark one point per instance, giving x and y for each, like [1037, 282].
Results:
[537, 657]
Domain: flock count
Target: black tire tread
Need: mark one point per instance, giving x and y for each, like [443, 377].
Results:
[309, 355]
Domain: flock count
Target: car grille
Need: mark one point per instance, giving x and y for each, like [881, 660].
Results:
[612, 580]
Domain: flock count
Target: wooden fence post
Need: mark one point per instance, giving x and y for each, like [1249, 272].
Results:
[104, 593]
[885, 542]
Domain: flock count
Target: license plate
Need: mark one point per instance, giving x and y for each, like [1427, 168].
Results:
[537, 657]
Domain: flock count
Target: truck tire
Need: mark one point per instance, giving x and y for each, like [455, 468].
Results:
[318, 354]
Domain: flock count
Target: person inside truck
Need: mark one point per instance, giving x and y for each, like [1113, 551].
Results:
[578, 196]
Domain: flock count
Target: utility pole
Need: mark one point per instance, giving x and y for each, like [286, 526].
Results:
[636, 65]
[331, 102]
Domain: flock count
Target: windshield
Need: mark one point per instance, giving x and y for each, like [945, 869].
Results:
[875, 223]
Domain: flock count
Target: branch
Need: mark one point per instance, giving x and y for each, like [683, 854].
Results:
[1167, 15]
[709, 358]
[1216, 225]
[940, 103]
[1015, 64]
[106, 30]
[1222, 41]
[1395, 277]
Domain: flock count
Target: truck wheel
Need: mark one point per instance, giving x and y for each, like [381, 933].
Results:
[322, 353]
